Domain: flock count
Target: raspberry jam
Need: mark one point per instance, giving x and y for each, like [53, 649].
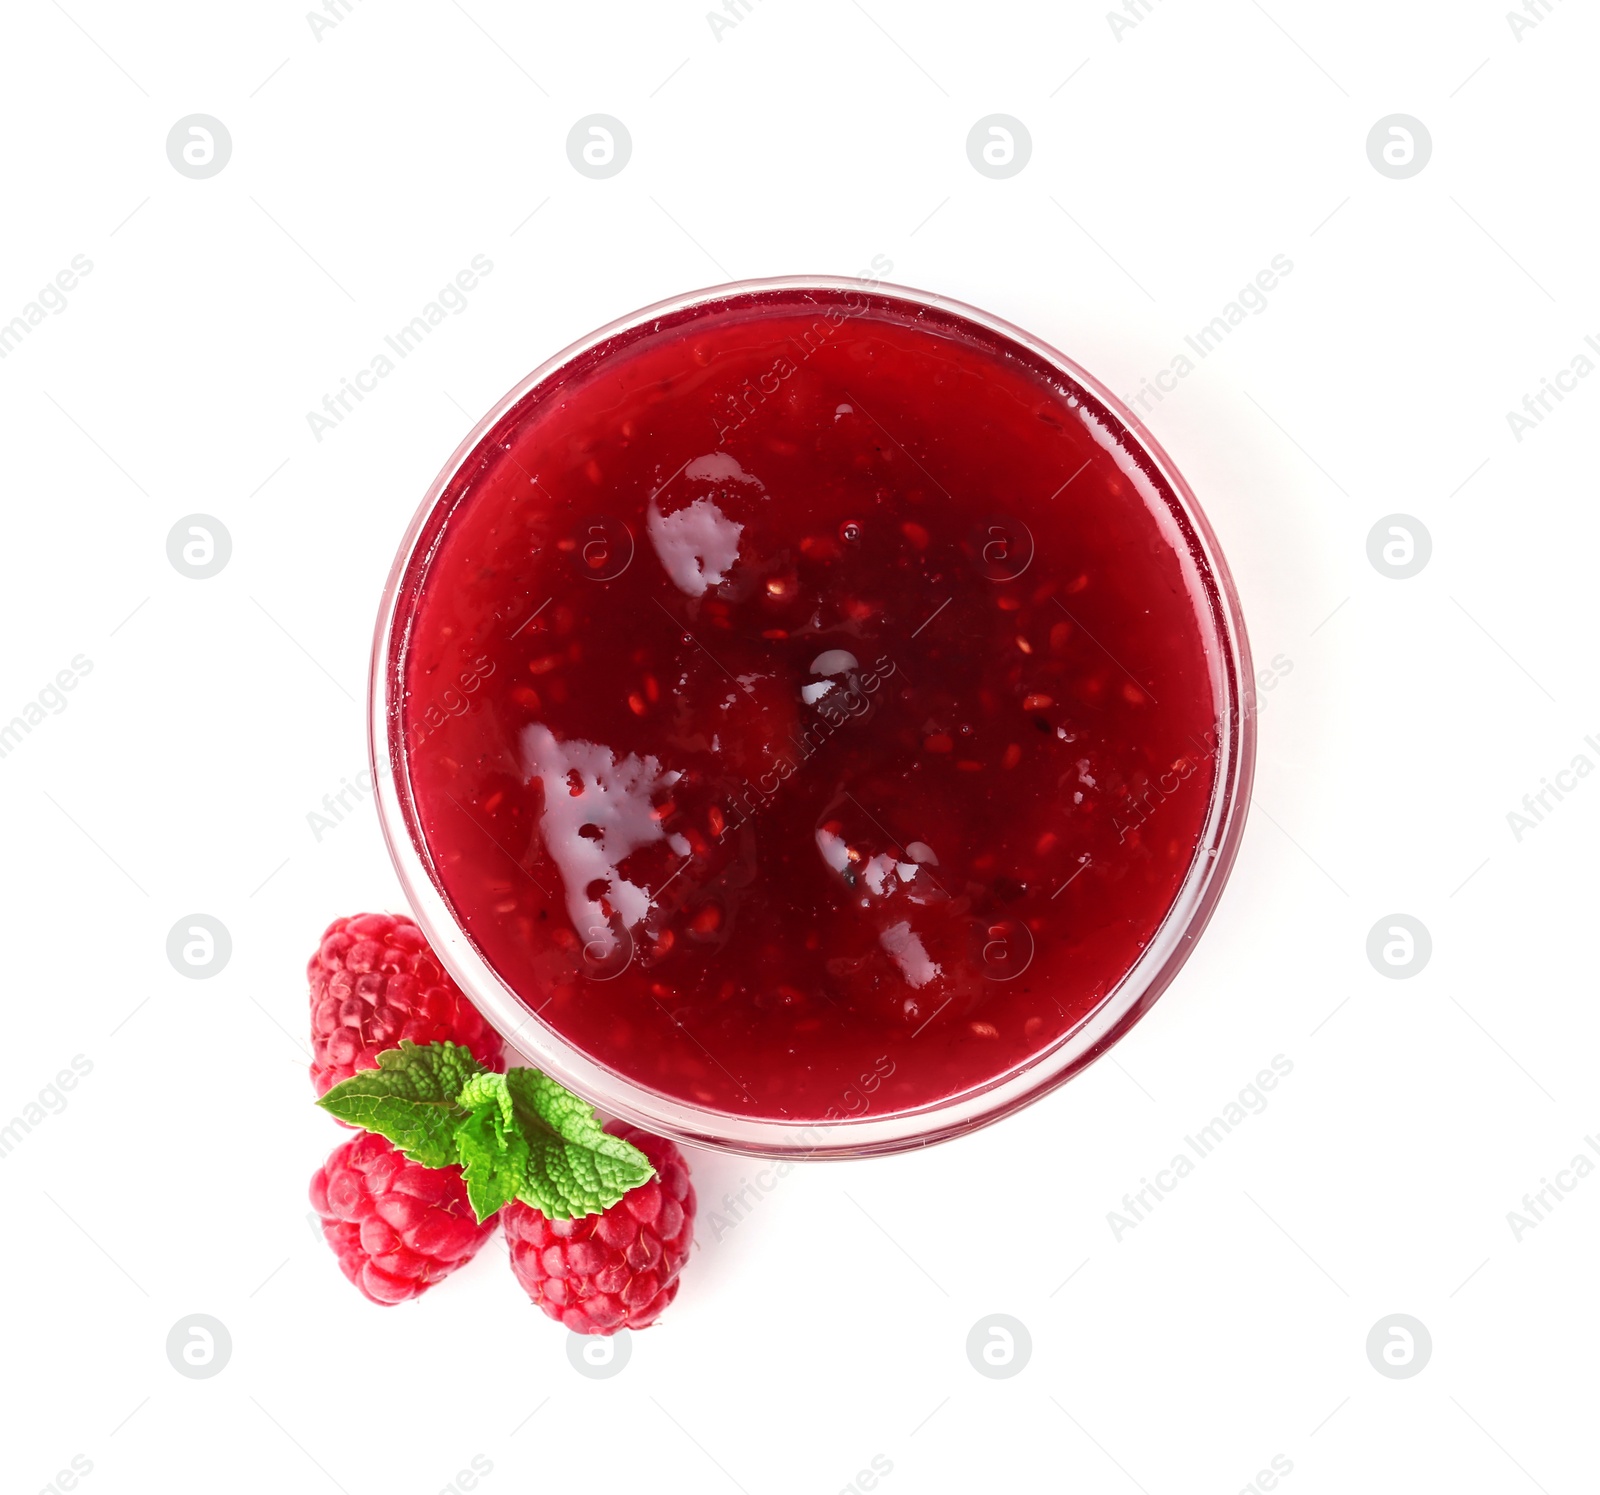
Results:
[809, 703]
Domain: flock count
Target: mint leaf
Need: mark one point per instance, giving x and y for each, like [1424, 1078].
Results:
[410, 1098]
[493, 1154]
[573, 1166]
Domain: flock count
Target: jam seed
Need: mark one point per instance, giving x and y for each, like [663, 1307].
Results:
[940, 742]
[1024, 645]
[544, 664]
[715, 819]
[915, 533]
[652, 691]
[1013, 756]
[984, 1030]
[1007, 603]
[1132, 694]
[1059, 635]
[1036, 703]
[636, 703]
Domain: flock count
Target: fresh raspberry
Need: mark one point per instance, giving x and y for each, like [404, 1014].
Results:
[615, 1270]
[374, 981]
[395, 1226]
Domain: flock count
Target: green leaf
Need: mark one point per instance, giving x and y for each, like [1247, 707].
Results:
[573, 1166]
[492, 1152]
[410, 1098]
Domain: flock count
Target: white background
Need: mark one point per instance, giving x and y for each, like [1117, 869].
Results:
[829, 1326]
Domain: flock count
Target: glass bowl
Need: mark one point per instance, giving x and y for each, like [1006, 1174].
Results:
[853, 1130]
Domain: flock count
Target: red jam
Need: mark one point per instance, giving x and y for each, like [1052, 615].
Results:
[808, 700]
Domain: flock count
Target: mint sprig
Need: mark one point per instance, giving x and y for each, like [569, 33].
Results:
[517, 1135]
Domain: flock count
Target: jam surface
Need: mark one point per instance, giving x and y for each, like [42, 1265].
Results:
[807, 704]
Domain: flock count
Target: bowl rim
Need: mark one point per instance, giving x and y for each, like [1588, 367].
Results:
[860, 1134]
